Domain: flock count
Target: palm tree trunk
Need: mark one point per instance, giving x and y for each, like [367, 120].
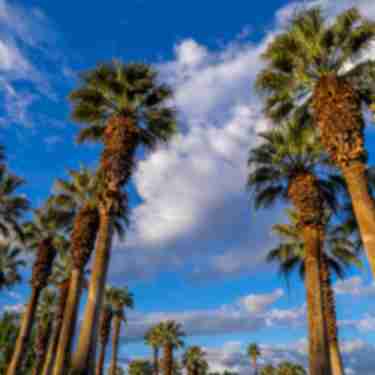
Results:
[331, 320]
[319, 361]
[168, 360]
[84, 359]
[115, 342]
[24, 335]
[41, 347]
[156, 360]
[52, 350]
[100, 365]
[255, 367]
[364, 207]
[67, 333]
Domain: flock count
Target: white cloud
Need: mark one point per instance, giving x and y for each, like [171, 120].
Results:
[355, 287]
[257, 303]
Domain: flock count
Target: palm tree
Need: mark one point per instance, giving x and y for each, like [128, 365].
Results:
[80, 198]
[312, 70]
[153, 338]
[12, 205]
[43, 235]
[61, 279]
[171, 333]
[339, 254]
[253, 352]
[104, 332]
[289, 166]
[140, 367]
[10, 262]
[9, 325]
[44, 317]
[288, 368]
[194, 361]
[120, 298]
[124, 107]
[268, 370]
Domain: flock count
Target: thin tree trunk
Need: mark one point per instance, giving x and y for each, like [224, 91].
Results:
[331, 320]
[100, 365]
[364, 207]
[66, 339]
[115, 342]
[156, 360]
[255, 366]
[52, 350]
[319, 361]
[24, 334]
[84, 359]
[168, 360]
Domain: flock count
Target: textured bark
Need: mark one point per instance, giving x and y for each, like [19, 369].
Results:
[120, 140]
[105, 330]
[331, 320]
[168, 359]
[305, 195]
[68, 329]
[52, 350]
[41, 346]
[84, 358]
[24, 335]
[41, 272]
[364, 207]
[319, 359]
[85, 228]
[338, 115]
[115, 343]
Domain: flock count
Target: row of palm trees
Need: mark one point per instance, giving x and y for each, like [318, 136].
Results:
[315, 83]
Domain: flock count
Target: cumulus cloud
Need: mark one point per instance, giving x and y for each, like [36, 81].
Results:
[354, 286]
[257, 303]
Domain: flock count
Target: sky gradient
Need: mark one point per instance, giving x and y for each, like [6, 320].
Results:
[195, 251]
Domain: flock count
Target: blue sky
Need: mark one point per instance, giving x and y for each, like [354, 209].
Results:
[194, 251]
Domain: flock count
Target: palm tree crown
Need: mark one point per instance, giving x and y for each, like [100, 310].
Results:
[312, 48]
[10, 262]
[172, 333]
[119, 298]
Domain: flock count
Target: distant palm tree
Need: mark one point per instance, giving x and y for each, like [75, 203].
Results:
[140, 367]
[10, 262]
[253, 351]
[339, 254]
[317, 68]
[44, 315]
[44, 235]
[124, 107]
[172, 334]
[288, 368]
[194, 361]
[119, 298]
[104, 332]
[153, 338]
[12, 205]
[289, 166]
[79, 198]
[268, 370]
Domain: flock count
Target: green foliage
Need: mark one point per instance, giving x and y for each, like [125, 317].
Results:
[128, 90]
[284, 368]
[140, 367]
[10, 263]
[171, 333]
[310, 48]
[194, 361]
[119, 299]
[285, 152]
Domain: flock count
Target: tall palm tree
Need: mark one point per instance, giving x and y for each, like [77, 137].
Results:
[61, 279]
[120, 298]
[172, 334]
[289, 166]
[124, 107]
[253, 352]
[153, 338]
[194, 361]
[104, 333]
[12, 205]
[339, 254]
[313, 70]
[44, 235]
[44, 315]
[80, 198]
[10, 262]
